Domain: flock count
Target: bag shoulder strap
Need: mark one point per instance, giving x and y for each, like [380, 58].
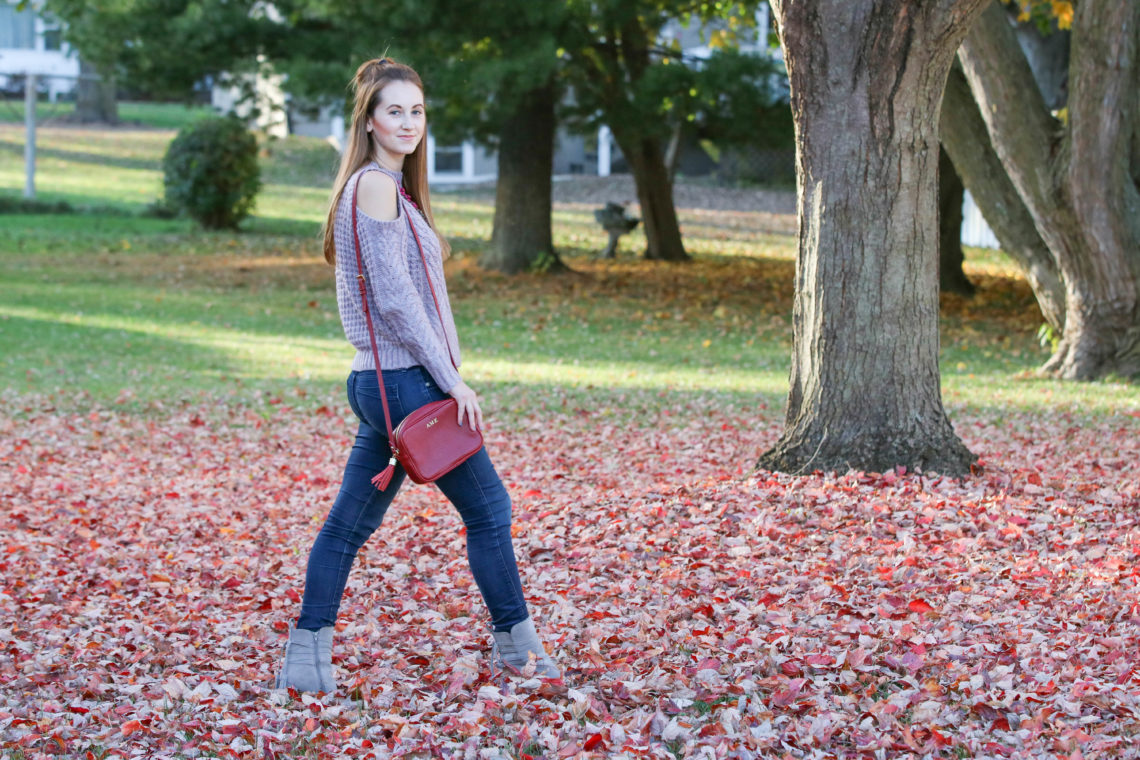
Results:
[431, 287]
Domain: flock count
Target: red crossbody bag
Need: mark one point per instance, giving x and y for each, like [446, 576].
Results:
[429, 442]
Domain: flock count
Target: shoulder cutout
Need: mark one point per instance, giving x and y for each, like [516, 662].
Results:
[377, 196]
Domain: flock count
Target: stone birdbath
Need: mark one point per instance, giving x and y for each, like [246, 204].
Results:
[614, 220]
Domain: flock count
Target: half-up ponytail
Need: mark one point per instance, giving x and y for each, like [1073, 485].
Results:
[371, 77]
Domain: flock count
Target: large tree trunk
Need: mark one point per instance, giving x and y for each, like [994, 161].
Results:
[655, 194]
[964, 136]
[1076, 188]
[521, 236]
[95, 99]
[866, 85]
[951, 193]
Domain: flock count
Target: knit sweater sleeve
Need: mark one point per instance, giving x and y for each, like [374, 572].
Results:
[396, 299]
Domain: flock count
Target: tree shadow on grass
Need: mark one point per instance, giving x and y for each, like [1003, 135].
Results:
[78, 156]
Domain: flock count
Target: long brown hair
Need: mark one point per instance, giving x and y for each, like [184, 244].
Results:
[372, 77]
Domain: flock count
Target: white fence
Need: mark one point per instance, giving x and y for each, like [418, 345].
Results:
[975, 231]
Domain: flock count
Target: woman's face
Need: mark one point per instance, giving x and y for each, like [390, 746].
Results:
[398, 122]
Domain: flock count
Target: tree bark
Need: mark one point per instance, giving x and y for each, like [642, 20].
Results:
[866, 85]
[951, 193]
[655, 194]
[95, 99]
[964, 136]
[1076, 186]
[521, 237]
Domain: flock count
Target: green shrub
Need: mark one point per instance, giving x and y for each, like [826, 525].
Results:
[211, 172]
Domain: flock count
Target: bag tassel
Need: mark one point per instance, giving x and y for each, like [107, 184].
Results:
[383, 478]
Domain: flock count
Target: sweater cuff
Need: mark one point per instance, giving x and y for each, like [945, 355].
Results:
[445, 377]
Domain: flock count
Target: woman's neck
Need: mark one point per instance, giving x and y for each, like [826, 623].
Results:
[391, 163]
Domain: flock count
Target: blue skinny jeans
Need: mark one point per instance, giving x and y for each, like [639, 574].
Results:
[473, 487]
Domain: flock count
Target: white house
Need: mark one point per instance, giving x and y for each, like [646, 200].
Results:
[32, 43]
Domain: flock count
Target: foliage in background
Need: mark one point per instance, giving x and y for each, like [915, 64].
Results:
[1044, 13]
[168, 48]
[741, 100]
[210, 172]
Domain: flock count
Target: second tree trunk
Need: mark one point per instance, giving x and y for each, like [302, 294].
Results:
[521, 236]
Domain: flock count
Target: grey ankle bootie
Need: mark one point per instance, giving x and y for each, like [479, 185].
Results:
[308, 661]
[324, 659]
[514, 648]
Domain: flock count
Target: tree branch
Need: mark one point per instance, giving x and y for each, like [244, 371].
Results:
[963, 134]
[1023, 132]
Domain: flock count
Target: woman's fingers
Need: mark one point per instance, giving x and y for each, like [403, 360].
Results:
[467, 405]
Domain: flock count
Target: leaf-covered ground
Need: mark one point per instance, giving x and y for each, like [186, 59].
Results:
[150, 566]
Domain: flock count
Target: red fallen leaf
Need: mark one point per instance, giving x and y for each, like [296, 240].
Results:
[593, 742]
[231, 582]
[985, 711]
[293, 595]
[920, 606]
[129, 727]
[532, 493]
[77, 709]
[940, 739]
[311, 724]
[1034, 478]
[787, 696]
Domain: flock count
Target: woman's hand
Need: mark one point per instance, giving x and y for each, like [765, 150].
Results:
[468, 405]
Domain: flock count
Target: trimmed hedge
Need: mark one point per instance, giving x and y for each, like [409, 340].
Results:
[211, 172]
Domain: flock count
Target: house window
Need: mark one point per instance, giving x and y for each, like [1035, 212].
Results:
[53, 39]
[448, 159]
[17, 28]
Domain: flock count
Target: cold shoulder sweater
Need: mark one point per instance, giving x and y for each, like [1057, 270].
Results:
[408, 330]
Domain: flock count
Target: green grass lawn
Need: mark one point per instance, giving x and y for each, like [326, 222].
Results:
[120, 308]
[138, 114]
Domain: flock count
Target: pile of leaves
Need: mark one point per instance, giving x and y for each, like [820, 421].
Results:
[151, 565]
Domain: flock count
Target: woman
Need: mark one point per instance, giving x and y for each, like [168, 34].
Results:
[385, 164]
